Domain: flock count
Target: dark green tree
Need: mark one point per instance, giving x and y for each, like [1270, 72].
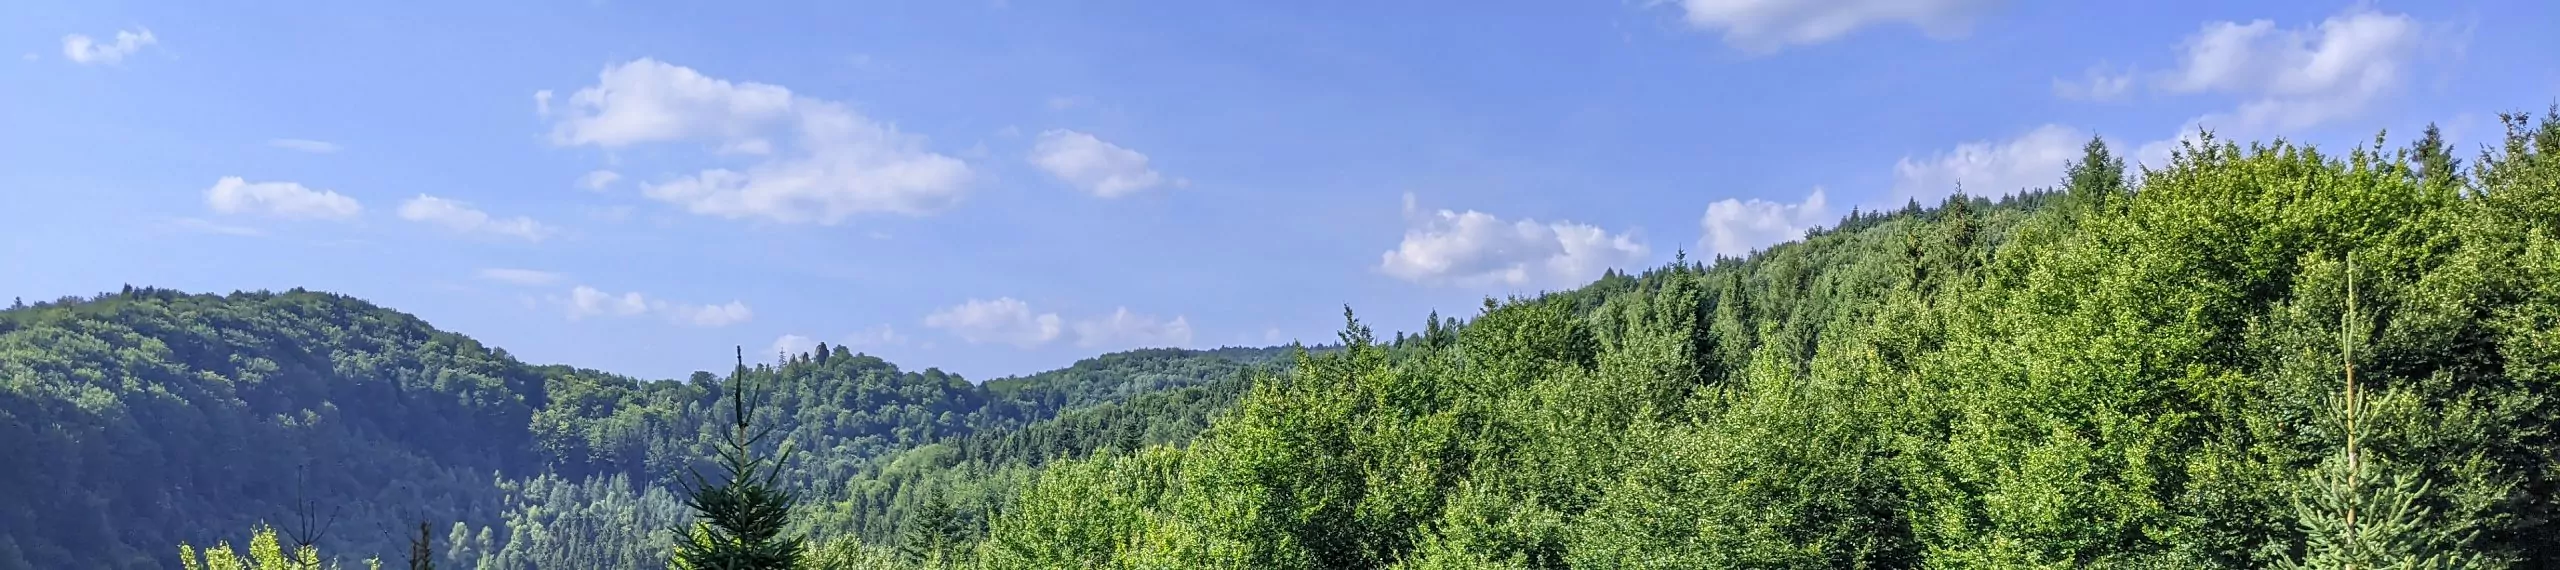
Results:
[2097, 177]
[741, 519]
[932, 532]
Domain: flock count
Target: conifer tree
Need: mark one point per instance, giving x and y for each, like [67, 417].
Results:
[2360, 511]
[932, 532]
[740, 520]
[2097, 176]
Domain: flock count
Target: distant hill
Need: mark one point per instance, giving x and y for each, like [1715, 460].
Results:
[142, 418]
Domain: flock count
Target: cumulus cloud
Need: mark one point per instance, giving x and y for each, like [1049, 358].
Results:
[520, 276]
[598, 180]
[84, 50]
[305, 145]
[1991, 168]
[1124, 329]
[837, 164]
[2300, 77]
[585, 302]
[1735, 228]
[462, 218]
[2292, 78]
[1767, 25]
[1100, 168]
[1003, 320]
[232, 195]
[1474, 248]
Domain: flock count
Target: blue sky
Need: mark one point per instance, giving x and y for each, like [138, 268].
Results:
[1003, 187]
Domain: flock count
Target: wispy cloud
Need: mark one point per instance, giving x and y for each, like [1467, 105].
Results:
[233, 195]
[462, 218]
[520, 276]
[305, 145]
[588, 302]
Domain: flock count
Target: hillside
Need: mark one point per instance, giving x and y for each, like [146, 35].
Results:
[148, 417]
[2259, 356]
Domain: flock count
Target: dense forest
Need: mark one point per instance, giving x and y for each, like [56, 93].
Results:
[2254, 356]
[140, 419]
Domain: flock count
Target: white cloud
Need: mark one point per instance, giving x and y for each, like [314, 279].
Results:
[839, 163]
[461, 217]
[2036, 159]
[1100, 168]
[1003, 320]
[1124, 329]
[791, 344]
[542, 103]
[2291, 79]
[1735, 228]
[84, 50]
[1475, 248]
[520, 276]
[587, 302]
[305, 145]
[2099, 85]
[231, 195]
[720, 315]
[2299, 77]
[598, 180]
[1767, 25]
[646, 100]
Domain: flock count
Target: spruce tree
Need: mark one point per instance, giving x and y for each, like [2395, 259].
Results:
[932, 532]
[2097, 177]
[740, 521]
[2359, 510]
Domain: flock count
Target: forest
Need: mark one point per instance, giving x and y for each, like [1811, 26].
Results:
[2260, 355]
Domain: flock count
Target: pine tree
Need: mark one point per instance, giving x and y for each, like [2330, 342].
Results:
[932, 532]
[2359, 511]
[740, 520]
[2436, 166]
[2097, 177]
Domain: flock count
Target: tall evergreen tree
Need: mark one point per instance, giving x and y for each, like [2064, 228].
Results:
[932, 532]
[741, 519]
[2361, 511]
[2097, 176]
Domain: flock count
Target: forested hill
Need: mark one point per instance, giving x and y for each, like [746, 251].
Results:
[139, 419]
[2259, 356]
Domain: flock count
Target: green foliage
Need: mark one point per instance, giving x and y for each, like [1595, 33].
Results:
[741, 519]
[265, 553]
[2121, 372]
